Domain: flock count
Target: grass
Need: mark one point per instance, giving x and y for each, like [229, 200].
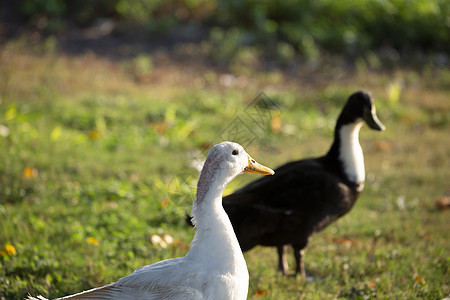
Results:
[95, 162]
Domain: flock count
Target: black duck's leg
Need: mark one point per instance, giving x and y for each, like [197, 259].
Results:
[282, 262]
[299, 265]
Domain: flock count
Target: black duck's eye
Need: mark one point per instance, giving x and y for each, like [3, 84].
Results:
[235, 152]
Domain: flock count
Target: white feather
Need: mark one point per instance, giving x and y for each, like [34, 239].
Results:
[351, 153]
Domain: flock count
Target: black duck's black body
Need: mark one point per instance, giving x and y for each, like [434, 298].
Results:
[303, 197]
[258, 219]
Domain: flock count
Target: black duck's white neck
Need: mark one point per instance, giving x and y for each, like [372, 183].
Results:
[347, 150]
[345, 155]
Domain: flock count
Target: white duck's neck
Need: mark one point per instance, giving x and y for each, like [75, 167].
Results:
[214, 239]
[351, 154]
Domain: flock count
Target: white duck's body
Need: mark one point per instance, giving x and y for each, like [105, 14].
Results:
[214, 267]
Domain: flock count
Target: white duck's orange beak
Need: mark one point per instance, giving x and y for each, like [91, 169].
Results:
[254, 167]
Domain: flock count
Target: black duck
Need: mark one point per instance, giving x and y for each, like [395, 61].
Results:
[305, 196]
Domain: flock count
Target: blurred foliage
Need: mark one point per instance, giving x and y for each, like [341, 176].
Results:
[279, 27]
[342, 26]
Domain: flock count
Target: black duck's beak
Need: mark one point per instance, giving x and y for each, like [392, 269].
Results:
[254, 167]
[371, 118]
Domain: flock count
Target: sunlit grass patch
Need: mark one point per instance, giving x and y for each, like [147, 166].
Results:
[95, 165]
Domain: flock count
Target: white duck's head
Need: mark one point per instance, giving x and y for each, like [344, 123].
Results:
[224, 162]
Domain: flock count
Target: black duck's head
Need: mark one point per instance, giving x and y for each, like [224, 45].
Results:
[360, 106]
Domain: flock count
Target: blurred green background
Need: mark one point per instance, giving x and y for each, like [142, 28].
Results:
[270, 28]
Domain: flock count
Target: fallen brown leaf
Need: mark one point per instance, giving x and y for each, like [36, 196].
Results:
[384, 146]
[164, 202]
[344, 241]
[262, 292]
[275, 123]
[443, 203]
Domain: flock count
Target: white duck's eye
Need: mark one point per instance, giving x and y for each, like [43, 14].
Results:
[235, 152]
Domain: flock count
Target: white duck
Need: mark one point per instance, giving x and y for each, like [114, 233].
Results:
[214, 267]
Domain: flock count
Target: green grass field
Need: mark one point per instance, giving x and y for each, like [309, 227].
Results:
[95, 164]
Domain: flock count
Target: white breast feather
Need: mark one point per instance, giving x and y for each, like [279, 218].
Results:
[351, 154]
